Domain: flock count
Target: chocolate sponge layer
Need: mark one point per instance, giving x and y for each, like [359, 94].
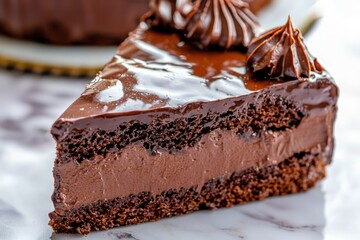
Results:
[273, 113]
[295, 174]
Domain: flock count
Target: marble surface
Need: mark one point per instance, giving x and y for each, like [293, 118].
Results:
[29, 104]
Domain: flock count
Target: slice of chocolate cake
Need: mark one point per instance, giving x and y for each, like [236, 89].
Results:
[184, 119]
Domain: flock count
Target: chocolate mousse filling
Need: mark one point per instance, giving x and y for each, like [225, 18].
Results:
[293, 175]
[217, 154]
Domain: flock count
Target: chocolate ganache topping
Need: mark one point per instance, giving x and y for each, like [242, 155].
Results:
[168, 14]
[223, 24]
[281, 53]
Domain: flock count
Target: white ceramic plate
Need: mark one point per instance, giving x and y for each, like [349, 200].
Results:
[81, 60]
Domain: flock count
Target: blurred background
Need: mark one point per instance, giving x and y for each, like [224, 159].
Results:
[39, 80]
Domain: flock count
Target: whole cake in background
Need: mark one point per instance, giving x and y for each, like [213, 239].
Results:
[90, 22]
[99, 22]
[193, 112]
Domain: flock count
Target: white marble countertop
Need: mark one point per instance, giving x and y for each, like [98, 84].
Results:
[29, 104]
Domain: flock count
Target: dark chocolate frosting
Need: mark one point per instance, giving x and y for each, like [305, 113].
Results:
[168, 14]
[281, 53]
[222, 24]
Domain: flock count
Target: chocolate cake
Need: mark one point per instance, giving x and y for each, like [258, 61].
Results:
[94, 22]
[193, 115]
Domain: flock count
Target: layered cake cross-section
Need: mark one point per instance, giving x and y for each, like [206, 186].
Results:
[200, 115]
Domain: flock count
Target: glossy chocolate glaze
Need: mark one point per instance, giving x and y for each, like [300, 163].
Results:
[158, 72]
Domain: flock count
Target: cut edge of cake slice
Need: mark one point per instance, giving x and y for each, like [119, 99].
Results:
[228, 128]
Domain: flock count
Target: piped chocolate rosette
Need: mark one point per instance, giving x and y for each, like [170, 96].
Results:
[281, 54]
[207, 24]
[167, 15]
[223, 24]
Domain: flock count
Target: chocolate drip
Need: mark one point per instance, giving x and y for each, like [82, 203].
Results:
[281, 53]
[222, 24]
[168, 14]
